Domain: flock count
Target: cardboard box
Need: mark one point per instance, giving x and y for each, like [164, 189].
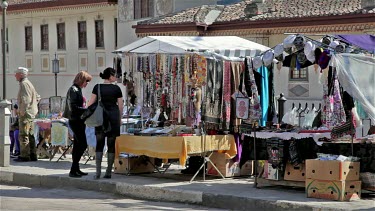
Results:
[226, 166]
[137, 165]
[247, 168]
[295, 173]
[332, 170]
[333, 190]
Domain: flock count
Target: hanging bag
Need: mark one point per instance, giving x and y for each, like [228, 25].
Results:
[67, 110]
[96, 119]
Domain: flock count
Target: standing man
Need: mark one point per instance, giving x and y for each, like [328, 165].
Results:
[27, 109]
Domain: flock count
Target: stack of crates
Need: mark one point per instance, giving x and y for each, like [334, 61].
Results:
[333, 179]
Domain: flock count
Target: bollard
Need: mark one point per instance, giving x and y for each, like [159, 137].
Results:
[4, 133]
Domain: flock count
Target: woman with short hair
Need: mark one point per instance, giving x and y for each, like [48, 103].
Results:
[73, 111]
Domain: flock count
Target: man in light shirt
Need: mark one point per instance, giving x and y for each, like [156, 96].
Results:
[27, 109]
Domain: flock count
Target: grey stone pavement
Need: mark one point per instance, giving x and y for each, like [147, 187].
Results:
[230, 193]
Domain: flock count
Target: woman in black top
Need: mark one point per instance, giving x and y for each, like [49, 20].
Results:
[111, 97]
[73, 111]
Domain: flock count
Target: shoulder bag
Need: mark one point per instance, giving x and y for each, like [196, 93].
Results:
[96, 119]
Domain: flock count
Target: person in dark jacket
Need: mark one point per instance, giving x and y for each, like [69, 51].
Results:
[111, 98]
[73, 111]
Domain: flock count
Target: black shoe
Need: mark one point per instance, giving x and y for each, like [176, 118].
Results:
[74, 174]
[82, 173]
[21, 159]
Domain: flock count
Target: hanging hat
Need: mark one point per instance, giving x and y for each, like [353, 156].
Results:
[334, 44]
[326, 40]
[324, 60]
[279, 49]
[340, 48]
[257, 62]
[268, 58]
[22, 70]
[288, 41]
[299, 42]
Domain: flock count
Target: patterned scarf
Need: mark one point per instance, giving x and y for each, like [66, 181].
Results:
[211, 107]
[237, 69]
[226, 106]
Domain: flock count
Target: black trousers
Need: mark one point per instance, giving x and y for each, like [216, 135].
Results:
[79, 143]
[100, 141]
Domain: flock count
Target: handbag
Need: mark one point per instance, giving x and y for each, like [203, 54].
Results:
[67, 110]
[96, 119]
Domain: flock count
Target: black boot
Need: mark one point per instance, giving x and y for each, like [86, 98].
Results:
[110, 161]
[98, 162]
[74, 171]
[81, 172]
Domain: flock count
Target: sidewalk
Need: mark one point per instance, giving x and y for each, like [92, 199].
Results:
[231, 194]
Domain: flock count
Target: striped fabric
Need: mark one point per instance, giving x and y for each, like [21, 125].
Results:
[238, 53]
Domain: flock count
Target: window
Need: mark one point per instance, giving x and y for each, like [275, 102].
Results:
[82, 35]
[60, 36]
[44, 37]
[29, 38]
[115, 32]
[99, 34]
[143, 9]
[298, 75]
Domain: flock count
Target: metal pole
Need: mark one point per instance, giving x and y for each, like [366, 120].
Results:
[4, 6]
[55, 84]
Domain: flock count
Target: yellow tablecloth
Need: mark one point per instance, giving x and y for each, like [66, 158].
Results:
[175, 147]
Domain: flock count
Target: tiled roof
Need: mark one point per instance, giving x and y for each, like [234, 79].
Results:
[12, 2]
[269, 10]
[306, 8]
[191, 15]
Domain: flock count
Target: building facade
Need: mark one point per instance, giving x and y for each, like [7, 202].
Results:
[82, 35]
[132, 11]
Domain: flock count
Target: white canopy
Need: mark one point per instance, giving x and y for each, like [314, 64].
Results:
[230, 46]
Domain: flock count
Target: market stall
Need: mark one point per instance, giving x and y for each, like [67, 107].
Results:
[348, 78]
[190, 81]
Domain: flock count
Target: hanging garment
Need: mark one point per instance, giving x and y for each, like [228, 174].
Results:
[237, 69]
[333, 110]
[264, 98]
[211, 107]
[226, 106]
[255, 110]
[357, 77]
[290, 117]
[200, 69]
[309, 118]
[347, 128]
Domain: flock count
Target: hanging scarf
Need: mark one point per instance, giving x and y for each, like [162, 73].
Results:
[226, 106]
[333, 110]
[264, 99]
[211, 107]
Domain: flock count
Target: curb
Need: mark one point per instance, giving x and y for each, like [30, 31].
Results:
[221, 201]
